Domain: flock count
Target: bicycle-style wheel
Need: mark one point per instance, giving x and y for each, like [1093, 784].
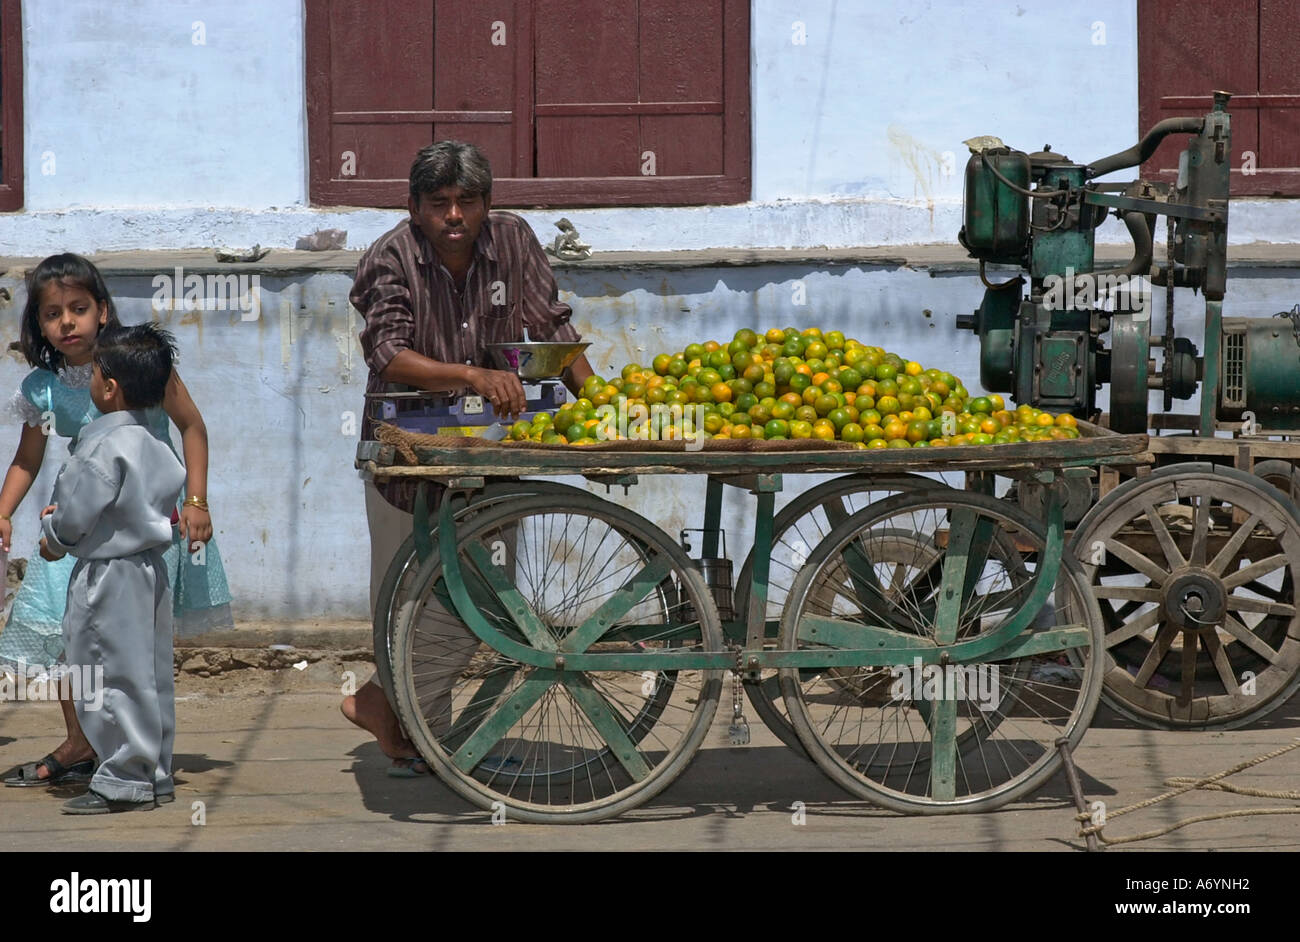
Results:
[551, 743]
[1010, 662]
[399, 578]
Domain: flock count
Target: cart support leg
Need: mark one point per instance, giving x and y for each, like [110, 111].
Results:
[1210, 378]
[953, 592]
[420, 521]
[1076, 788]
[712, 517]
[756, 617]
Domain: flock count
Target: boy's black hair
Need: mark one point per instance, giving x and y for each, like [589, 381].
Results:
[140, 358]
[66, 269]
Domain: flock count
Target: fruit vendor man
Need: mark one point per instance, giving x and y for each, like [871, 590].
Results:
[434, 292]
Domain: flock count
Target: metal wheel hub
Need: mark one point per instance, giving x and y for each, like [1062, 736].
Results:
[1194, 600]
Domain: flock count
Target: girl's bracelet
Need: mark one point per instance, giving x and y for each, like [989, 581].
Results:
[198, 502]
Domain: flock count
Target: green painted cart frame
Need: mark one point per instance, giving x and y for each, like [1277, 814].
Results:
[971, 580]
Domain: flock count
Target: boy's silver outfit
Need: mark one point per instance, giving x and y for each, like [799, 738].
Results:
[115, 497]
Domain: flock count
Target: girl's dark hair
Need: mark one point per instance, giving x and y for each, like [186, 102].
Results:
[68, 270]
[140, 358]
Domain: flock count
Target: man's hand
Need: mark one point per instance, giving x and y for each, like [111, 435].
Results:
[502, 389]
[49, 555]
[49, 510]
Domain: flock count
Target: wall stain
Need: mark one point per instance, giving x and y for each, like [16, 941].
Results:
[923, 162]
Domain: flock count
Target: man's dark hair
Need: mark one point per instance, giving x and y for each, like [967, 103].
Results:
[140, 358]
[451, 163]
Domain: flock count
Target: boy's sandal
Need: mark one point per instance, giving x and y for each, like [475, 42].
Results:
[78, 773]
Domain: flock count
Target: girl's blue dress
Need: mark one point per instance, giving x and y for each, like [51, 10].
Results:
[34, 632]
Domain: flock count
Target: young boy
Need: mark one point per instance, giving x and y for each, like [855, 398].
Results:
[112, 508]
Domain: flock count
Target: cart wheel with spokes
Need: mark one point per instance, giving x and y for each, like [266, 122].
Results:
[400, 576]
[1281, 474]
[796, 529]
[556, 744]
[1195, 569]
[975, 726]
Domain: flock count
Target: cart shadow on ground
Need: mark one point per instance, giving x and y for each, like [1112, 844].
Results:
[1284, 717]
[720, 784]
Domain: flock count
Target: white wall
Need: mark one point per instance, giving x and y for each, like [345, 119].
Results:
[880, 92]
[133, 110]
[158, 142]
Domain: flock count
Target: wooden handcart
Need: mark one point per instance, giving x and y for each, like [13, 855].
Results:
[554, 655]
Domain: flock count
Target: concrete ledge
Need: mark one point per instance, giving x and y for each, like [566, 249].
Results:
[936, 257]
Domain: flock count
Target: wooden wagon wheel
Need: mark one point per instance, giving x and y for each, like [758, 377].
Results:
[796, 530]
[1281, 474]
[557, 745]
[399, 578]
[911, 746]
[1195, 570]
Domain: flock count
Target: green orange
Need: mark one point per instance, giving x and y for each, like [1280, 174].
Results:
[825, 404]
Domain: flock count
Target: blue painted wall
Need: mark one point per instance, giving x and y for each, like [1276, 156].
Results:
[281, 394]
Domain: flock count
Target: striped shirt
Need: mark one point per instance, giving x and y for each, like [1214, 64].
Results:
[409, 301]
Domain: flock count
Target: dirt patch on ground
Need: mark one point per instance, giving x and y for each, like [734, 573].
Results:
[255, 671]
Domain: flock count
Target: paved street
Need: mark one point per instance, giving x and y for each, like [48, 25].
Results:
[278, 768]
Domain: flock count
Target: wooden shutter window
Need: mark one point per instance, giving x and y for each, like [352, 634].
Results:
[583, 103]
[1187, 49]
[11, 106]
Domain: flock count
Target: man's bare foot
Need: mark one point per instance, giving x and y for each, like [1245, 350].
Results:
[67, 754]
[370, 710]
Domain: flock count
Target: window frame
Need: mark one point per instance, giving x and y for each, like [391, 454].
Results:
[733, 185]
[11, 104]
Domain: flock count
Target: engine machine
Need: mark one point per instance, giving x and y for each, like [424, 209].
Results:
[1043, 333]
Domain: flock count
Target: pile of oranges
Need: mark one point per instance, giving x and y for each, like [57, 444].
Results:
[792, 384]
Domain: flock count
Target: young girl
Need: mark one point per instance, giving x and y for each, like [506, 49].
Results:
[67, 305]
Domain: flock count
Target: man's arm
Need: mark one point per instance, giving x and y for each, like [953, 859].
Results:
[577, 374]
[382, 295]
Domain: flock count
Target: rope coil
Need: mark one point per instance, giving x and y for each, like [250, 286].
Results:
[1184, 785]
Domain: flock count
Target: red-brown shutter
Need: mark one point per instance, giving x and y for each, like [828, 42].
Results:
[652, 90]
[11, 105]
[1188, 49]
[566, 110]
[381, 87]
